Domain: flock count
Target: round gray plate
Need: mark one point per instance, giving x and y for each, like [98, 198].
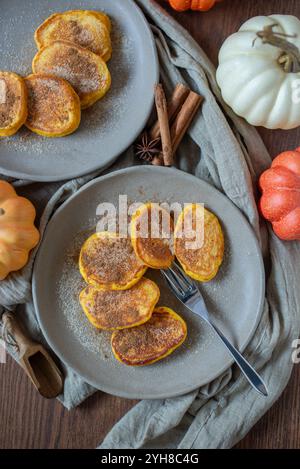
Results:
[108, 127]
[234, 297]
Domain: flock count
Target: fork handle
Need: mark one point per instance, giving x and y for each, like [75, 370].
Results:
[249, 372]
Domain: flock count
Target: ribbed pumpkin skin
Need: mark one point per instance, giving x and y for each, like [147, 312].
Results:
[18, 235]
[280, 202]
[199, 5]
[251, 77]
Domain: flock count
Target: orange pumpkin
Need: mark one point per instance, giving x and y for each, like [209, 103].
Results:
[280, 202]
[18, 235]
[199, 5]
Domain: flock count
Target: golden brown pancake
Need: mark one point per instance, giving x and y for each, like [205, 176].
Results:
[109, 262]
[112, 310]
[88, 29]
[152, 341]
[201, 263]
[151, 248]
[13, 103]
[102, 17]
[53, 106]
[84, 70]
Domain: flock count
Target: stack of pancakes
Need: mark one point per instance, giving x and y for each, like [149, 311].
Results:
[119, 298]
[69, 74]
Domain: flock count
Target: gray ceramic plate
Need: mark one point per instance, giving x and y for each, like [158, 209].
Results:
[108, 127]
[234, 297]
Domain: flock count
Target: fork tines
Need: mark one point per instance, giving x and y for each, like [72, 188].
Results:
[178, 280]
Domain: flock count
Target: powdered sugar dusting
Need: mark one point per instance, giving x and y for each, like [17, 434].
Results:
[102, 118]
[68, 288]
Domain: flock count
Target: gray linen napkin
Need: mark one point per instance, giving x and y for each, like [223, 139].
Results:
[229, 154]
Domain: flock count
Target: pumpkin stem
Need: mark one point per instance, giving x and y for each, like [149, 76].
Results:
[289, 60]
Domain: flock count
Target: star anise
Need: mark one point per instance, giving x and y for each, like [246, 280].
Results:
[147, 149]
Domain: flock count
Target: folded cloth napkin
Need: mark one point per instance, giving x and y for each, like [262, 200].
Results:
[229, 154]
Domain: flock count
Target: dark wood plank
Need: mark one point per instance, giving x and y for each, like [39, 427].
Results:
[28, 421]
[280, 427]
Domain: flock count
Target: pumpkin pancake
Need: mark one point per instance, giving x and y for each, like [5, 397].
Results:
[103, 17]
[200, 263]
[88, 29]
[109, 262]
[84, 70]
[114, 310]
[53, 106]
[152, 341]
[151, 235]
[13, 103]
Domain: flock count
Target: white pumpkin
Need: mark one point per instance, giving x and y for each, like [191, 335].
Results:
[260, 80]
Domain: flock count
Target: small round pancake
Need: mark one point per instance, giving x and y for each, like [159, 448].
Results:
[152, 236]
[13, 103]
[53, 106]
[114, 310]
[84, 70]
[109, 262]
[88, 29]
[201, 263]
[152, 341]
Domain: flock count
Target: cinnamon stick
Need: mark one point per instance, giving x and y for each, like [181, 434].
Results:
[184, 119]
[177, 99]
[158, 160]
[163, 119]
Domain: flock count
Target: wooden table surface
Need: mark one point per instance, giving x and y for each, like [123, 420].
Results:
[28, 421]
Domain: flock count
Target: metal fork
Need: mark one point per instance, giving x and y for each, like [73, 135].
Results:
[189, 295]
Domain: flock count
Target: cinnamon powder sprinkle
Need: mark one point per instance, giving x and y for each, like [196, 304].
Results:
[158, 246]
[208, 255]
[48, 103]
[74, 32]
[74, 65]
[149, 341]
[112, 260]
[113, 309]
[10, 106]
